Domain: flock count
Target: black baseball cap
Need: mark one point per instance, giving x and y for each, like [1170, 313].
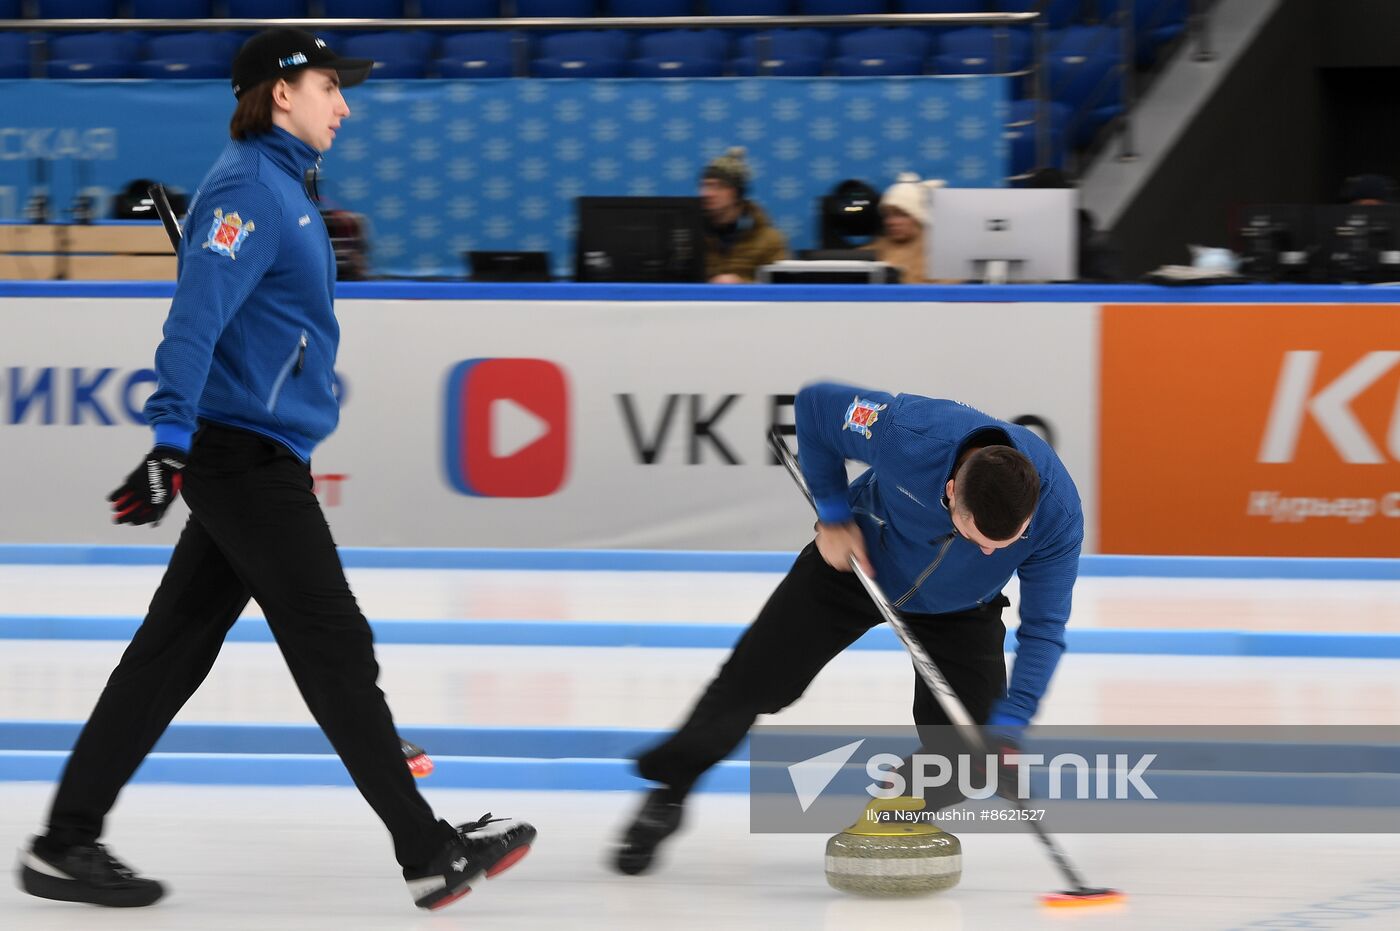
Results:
[277, 53]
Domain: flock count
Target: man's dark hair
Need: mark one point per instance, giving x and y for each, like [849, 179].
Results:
[999, 487]
[253, 115]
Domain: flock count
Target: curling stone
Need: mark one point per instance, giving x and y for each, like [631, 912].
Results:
[888, 853]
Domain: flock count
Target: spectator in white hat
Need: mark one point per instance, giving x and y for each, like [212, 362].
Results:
[904, 207]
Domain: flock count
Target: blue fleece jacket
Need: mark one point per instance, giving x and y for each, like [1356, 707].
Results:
[251, 337]
[922, 565]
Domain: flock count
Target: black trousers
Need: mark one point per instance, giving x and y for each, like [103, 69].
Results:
[255, 529]
[814, 614]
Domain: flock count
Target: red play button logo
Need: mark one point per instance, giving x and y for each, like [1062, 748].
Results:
[507, 431]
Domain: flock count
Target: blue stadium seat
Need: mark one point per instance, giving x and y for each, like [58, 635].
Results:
[588, 54]
[790, 53]
[579, 68]
[477, 55]
[14, 55]
[171, 9]
[459, 9]
[77, 9]
[168, 70]
[1021, 134]
[94, 55]
[840, 7]
[982, 50]
[883, 41]
[363, 9]
[684, 43]
[267, 9]
[1155, 23]
[681, 53]
[748, 7]
[855, 66]
[10, 9]
[939, 6]
[396, 55]
[779, 66]
[1084, 71]
[1056, 14]
[788, 43]
[881, 51]
[587, 43]
[555, 8]
[188, 55]
[650, 8]
[73, 69]
[670, 67]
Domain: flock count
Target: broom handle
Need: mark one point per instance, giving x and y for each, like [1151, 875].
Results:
[156, 192]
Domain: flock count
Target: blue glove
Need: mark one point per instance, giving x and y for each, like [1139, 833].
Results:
[1002, 733]
[1002, 719]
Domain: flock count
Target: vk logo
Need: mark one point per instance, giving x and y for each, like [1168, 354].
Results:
[507, 431]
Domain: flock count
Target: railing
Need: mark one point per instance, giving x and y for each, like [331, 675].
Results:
[1198, 27]
[526, 24]
[507, 23]
[522, 25]
[1198, 32]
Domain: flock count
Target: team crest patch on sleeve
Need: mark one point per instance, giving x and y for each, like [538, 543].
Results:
[227, 233]
[861, 416]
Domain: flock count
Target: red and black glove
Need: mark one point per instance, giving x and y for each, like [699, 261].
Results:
[150, 489]
[419, 763]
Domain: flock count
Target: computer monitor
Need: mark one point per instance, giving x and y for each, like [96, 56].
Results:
[1003, 234]
[1359, 243]
[640, 239]
[508, 266]
[1277, 241]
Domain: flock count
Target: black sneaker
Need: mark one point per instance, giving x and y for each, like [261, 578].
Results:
[85, 873]
[659, 818]
[485, 847]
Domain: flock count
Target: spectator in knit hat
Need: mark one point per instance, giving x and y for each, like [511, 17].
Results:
[904, 208]
[739, 238]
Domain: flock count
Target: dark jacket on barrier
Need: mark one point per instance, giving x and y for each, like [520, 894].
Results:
[251, 338]
[742, 248]
[912, 444]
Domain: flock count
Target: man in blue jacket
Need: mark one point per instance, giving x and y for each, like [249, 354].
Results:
[246, 391]
[953, 504]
